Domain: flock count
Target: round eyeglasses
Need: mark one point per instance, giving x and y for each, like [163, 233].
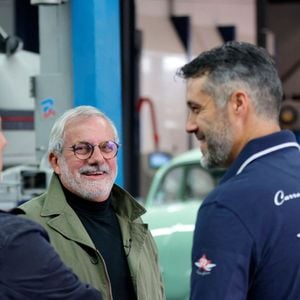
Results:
[85, 150]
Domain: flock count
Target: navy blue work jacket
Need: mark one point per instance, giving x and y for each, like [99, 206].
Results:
[247, 235]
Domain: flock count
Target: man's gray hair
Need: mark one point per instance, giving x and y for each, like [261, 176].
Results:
[237, 65]
[56, 138]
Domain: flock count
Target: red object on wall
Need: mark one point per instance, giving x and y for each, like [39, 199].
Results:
[148, 101]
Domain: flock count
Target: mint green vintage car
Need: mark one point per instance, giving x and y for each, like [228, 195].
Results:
[175, 195]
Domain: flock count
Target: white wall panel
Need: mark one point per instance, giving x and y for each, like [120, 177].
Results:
[162, 55]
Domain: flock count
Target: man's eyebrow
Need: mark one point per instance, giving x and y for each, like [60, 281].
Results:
[192, 103]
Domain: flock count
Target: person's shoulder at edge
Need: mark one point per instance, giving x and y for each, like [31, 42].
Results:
[25, 239]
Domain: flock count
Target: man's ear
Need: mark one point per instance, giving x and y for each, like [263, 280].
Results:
[53, 161]
[239, 103]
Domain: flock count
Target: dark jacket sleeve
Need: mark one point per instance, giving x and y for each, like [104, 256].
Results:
[31, 269]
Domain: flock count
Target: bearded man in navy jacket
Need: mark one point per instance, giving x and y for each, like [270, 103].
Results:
[247, 235]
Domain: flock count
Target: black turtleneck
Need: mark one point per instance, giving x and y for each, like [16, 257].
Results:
[101, 223]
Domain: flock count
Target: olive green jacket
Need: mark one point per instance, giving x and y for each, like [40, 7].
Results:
[72, 242]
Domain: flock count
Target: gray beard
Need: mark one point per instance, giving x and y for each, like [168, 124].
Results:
[219, 145]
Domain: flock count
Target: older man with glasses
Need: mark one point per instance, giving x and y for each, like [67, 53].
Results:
[94, 224]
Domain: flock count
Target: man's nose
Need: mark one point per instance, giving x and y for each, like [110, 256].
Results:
[3, 140]
[191, 126]
[97, 154]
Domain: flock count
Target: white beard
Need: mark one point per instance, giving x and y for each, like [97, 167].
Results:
[94, 190]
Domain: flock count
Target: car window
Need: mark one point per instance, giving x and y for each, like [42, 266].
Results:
[198, 183]
[184, 183]
[169, 188]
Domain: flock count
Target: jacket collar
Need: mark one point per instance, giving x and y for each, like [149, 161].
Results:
[259, 147]
[64, 219]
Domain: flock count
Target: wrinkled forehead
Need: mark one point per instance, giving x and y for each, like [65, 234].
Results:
[196, 85]
[85, 126]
